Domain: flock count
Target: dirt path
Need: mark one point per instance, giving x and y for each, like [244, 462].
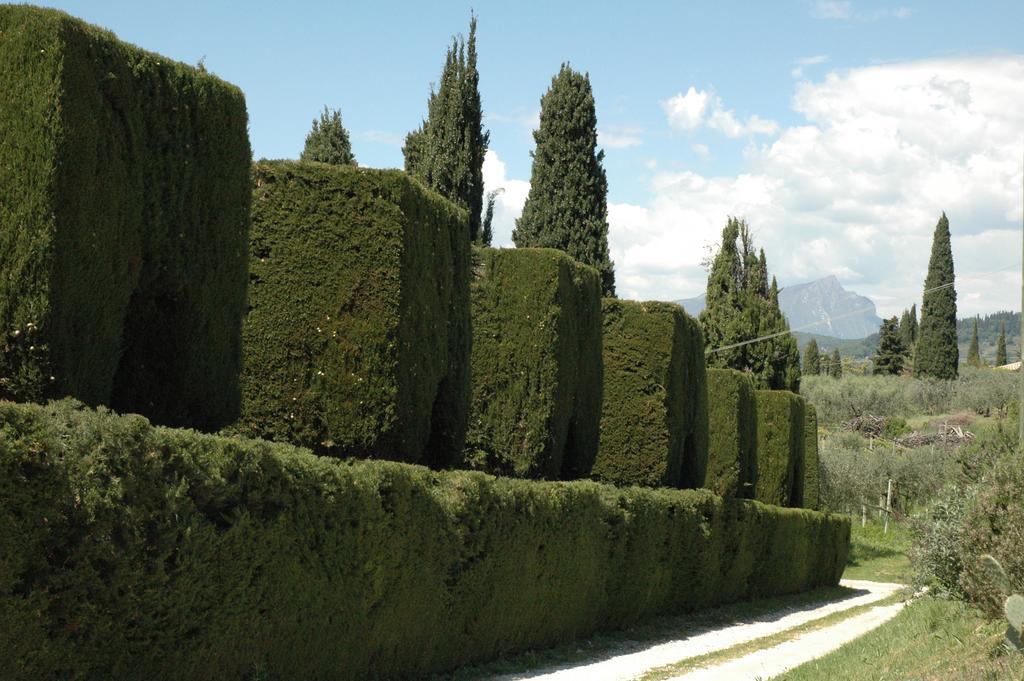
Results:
[631, 665]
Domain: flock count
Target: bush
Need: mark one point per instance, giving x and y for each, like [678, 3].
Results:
[134, 552]
[654, 422]
[536, 364]
[357, 339]
[732, 447]
[124, 215]
[780, 448]
[812, 482]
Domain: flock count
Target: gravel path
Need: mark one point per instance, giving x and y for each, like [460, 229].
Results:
[631, 665]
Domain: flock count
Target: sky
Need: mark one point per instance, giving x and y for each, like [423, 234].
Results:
[840, 130]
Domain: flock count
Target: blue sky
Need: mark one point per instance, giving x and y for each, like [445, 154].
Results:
[705, 109]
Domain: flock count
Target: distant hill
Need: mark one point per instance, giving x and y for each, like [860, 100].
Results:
[819, 307]
[988, 334]
[855, 348]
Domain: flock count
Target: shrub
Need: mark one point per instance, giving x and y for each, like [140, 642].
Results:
[173, 555]
[812, 483]
[536, 364]
[124, 214]
[732, 446]
[654, 422]
[357, 339]
[780, 445]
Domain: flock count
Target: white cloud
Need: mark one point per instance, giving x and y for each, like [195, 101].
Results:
[509, 204]
[687, 113]
[798, 70]
[856, 189]
[832, 9]
[619, 138]
[702, 151]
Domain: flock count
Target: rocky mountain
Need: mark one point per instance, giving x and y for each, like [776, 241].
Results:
[820, 307]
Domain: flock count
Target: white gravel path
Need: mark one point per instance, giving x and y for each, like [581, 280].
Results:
[703, 641]
[770, 662]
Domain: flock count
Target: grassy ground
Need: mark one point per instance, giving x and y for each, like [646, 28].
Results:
[930, 640]
[878, 556]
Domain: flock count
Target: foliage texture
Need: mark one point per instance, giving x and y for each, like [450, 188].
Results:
[732, 444]
[937, 354]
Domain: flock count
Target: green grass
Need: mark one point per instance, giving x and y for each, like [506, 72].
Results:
[659, 630]
[877, 556]
[931, 639]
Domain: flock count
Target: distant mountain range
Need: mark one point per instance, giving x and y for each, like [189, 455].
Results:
[821, 307]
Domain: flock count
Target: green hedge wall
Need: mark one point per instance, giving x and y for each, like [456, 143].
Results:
[654, 422]
[124, 218]
[536, 364]
[812, 483]
[134, 552]
[780, 447]
[357, 339]
[732, 447]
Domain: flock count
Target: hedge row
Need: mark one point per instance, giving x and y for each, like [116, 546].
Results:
[732, 448]
[124, 218]
[135, 552]
[780, 448]
[812, 482]
[357, 339]
[536, 364]
[654, 421]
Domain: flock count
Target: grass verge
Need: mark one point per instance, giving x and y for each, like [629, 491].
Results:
[877, 556]
[930, 640]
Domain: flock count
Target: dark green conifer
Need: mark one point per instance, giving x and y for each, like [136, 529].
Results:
[812, 359]
[447, 151]
[891, 353]
[974, 351]
[328, 142]
[567, 207]
[937, 354]
[1001, 345]
[836, 365]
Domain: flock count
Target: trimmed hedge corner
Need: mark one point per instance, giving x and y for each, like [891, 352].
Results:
[780, 447]
[357, 339]
[124, 218]
[732, 448]
[536, 368]
[812, 483]
[134, 552]
[654, 423]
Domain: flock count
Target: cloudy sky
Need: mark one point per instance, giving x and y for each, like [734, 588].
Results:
[840, 130]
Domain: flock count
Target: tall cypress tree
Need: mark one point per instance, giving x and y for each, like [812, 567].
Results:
[974, 351]
[835, 368]
[812, 359]
[328, 141]
[740, 307]
[890, 355]
[447, 151]
[1001, 345]
[937, 354]
[567, 207]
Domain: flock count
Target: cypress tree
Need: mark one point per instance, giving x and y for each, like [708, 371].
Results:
[447, 151]
[973, 351]
[741, 306]
[937, 354]
[890, 355]
[1001, 346]
[836, 365]
[486, 229]
[812, 359]
[328, 142]
[567, 207]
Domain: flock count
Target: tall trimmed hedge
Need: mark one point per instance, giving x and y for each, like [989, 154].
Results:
[780, 448]
[132, 552]
[654, 422]
[812, 482]
[536, 364]
[357, 339]
[124, 218]
[732, 447]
